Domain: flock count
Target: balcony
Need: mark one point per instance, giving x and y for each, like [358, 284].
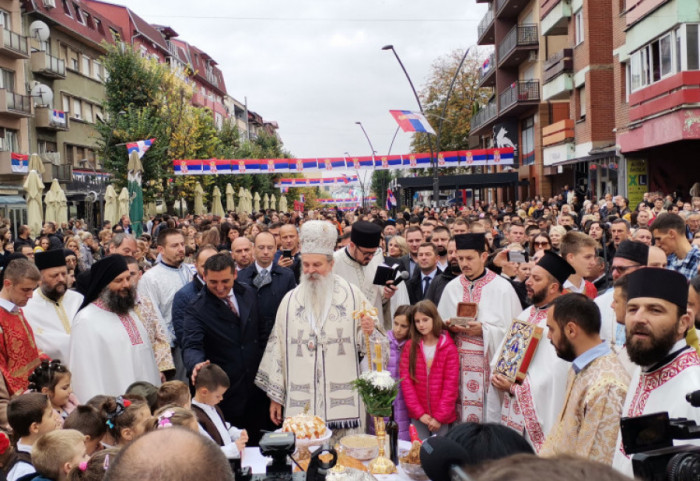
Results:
[522, 95]
[509, 8]
[64, 173]
[484, 117]
[555, 19]
[47, 65]
[15, 105]
[519, 45]
[87, 180]
[48, 118]
[558, 80]
[13, 45]
[487, 72]
[486, 30]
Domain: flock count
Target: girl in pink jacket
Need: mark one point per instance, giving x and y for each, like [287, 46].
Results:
[430, 372]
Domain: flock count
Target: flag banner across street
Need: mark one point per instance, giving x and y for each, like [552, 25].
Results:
[458, 158]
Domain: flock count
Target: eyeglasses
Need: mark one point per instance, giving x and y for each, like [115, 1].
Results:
[623, 269]
[541, 244]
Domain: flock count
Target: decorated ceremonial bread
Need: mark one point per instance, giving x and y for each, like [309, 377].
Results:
[305, 426]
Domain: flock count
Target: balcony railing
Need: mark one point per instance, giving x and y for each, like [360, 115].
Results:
[485, 22]
[48, 65]
[15, 104]
[487, 113]
[519, 36]
[488, 68]
[15, 42]
[520, 91]
[560, 62]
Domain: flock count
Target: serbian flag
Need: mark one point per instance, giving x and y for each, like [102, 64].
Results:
[390, 199]
[20, 163]
[412, 121]
[139, 147]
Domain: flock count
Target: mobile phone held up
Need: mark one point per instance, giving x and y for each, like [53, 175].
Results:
[518, 256]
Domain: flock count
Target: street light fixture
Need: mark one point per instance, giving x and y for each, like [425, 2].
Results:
[433, 160]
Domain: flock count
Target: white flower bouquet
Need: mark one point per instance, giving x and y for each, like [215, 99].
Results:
[378, 391]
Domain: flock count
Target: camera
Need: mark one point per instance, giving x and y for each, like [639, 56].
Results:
[649, 438]
[280, 447]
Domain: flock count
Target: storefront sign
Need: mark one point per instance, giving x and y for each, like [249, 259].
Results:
[637, 181]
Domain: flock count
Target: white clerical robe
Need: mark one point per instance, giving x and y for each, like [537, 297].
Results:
[533, 407]
[608, 323]
[662, 389]
[51, 321]
[363, 276]
[109, 352]
[498, 306]
[302, 365]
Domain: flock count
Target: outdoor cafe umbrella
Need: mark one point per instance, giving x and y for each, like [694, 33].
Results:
[266, 202]
[111, 208]
[216, 207]
[241, 201]
[34, 188]
[273, 202]
[256, 203]
[230, 204]
[283, 203]
[123, 204]
[198, 199]
[62, 213]
[51, 202]
[35, 163]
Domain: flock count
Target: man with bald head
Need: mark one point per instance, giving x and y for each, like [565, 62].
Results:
[172, 454]
[288, 254]
[242, 252]
[657, 257]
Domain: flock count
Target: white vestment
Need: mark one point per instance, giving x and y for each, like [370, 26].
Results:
[534, 407]
[608, 321]
[303, 365]
[160, 283]
[109, 352]
[662, 389]
[498, 306]
[363, 276]
[51, 322]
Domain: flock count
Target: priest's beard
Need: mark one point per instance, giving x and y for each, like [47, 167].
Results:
[317, 289]
[538, 297]
[119, 302]
[565, 350]
[56, 292]
[646, 351]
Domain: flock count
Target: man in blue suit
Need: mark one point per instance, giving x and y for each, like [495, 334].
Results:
[222, 326]
[270, 281]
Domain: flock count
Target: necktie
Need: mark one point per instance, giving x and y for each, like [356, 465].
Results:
[262, 279]
[426, 283]
[230, 305]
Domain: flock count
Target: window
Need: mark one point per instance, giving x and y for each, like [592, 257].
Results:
[9, 143]
[74, 64]
[666, 60]
[578, 19]
[97, 70]
[5, 20]
[78, 14]
[528, 141]
[66, 8]
[45, 146]
[77, 109]
[693, 47]
[582, 102]
[667, 55]
[88, 21]
[69, 154]
[87, 112]
[66, 103]
[7, 80]
[115, 35]
[86, 65]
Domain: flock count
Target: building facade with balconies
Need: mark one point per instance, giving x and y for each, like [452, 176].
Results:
[515, 112]
[658, 111]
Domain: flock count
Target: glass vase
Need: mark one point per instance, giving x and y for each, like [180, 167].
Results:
[381, 464]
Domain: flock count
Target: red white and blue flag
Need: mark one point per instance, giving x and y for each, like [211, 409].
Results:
[390, 199]
[139, 147]
[412, 121]
[20, 163]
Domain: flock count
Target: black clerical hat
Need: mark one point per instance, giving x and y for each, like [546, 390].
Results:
[49, 259]
[633, 251]
[366, 234]
[471, 241]
[659, 283]
[102, 273]
[557, 266]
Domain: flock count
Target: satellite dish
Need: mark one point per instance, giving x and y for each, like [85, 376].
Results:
[39, 30]
[43, 94]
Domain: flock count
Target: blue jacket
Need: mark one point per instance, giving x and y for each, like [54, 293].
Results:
[182, 299]
[269, 296]
[296, 265]
[235, 343]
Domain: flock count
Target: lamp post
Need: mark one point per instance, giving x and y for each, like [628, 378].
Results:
[362, 184]
[433, 160]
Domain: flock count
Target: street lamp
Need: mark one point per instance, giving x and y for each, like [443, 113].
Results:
[433, 160]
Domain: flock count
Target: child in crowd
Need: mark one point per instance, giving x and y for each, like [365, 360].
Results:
[30, 416]
[171, 415]
[96, 402]
[91, 423]
[53, 379]
[95, 468]
[147, 391]
[210, 385]
[7, 452]
[174, 392]
[430, 372]
[57, 452]
[397, 340]
[127, 418]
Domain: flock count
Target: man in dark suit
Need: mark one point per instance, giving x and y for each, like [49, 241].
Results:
[270, 281]
[425, 274]
[438, 285]
[414, 238]
[187, 294]
[289, 242]
[222, 326]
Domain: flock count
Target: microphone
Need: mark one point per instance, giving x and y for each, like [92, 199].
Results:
[442, 458]
[693, 398]
[400, 277]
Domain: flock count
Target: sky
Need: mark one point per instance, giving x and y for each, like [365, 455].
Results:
[316, 67]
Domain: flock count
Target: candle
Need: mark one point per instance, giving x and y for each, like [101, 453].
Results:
[378, 356]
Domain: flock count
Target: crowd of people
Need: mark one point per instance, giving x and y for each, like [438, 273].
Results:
[221, 327]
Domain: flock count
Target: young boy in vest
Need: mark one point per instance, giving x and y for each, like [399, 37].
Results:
[56, 453]
[210, 385]
[30, 416]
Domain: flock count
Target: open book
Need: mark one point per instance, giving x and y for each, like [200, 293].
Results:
[521, 343]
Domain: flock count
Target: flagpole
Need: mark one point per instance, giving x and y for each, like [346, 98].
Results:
[373, 159]
[433, 160]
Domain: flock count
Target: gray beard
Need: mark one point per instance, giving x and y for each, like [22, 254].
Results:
[117, 304]
[316, 291]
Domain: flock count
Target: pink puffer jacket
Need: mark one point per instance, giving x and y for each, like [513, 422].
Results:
[436, 393]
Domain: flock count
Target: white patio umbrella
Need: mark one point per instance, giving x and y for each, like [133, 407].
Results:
[230, 204]
[51, 203]
[241, 201]
[273, 202]
[283, 203]
[266, 202]
[62, 213]
[34, 188]
[198, 199]
[123, 204]
[216, 207]
[256, 202]
[111, 213]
